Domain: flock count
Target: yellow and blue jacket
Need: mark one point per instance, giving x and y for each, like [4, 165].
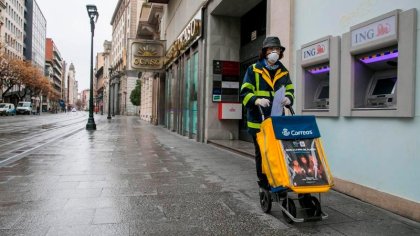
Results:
[260, 82]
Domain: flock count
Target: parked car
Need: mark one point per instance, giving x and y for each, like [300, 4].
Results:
[7, 109]
[24, 108]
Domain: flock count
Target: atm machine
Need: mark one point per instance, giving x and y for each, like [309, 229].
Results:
[381, 90]
[318, 77]
[375, 82]
[322, 96]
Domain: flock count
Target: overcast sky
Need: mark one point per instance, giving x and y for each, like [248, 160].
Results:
[68, 25]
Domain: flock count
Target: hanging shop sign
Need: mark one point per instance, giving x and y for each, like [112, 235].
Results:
[188, 36]
[146, 55]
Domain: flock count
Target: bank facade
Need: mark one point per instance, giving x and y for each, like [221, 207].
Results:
[369, 140]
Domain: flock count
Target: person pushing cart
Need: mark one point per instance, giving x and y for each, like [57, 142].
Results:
[260, 82]
[290, 160]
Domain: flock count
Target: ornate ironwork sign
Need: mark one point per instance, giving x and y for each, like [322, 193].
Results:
[146, 55]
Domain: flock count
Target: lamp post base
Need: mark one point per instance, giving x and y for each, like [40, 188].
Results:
[91, 124]
[108, 117]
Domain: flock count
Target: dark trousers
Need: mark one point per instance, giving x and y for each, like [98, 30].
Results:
[263, 182]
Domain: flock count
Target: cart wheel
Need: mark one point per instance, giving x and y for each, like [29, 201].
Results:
[316, 207]
[265, 200]
[305, 200]
[291, 208]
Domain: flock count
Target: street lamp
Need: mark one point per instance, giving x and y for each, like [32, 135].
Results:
[93, 15]
[109, 93]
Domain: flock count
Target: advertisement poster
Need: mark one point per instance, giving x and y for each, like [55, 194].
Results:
[304, 165]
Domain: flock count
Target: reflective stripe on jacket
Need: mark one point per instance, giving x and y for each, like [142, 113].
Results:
[258, 83]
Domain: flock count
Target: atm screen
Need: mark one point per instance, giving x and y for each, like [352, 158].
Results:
[325, 92]
[384, 86]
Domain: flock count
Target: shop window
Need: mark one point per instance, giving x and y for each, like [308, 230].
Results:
[194, 97]
[186, 102]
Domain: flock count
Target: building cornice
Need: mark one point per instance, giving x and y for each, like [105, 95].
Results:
[117, 8]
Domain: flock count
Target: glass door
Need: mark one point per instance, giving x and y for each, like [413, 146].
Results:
[194, 90]
[186, 101]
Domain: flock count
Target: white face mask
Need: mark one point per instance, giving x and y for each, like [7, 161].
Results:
[273, 57]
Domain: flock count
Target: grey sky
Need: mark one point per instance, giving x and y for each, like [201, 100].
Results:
[68, 25]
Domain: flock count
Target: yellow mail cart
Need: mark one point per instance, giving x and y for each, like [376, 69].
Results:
[296, 167]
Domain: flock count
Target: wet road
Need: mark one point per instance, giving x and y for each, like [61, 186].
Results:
[23, 133]
[130, 178]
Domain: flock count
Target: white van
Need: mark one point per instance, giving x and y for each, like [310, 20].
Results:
[24, 108]
[7, 109]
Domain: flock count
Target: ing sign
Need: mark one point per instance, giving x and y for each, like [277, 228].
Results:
[377, 30]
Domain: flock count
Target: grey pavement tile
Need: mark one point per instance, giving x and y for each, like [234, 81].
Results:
[318, 230]
[196, 207]
[73, 193]
[141, 190]
[182, 189]
[332, 198]
[82, 230]
[108, 216]
[7, 208]
[36, 231]
[20, 196]
[96, 184]
[52, 218]
[7, 221]
[135, 176]
[375, 227]
[72, 178]
[165, 228]
[43, 205]
[182, 228]
[362, 211]
[147, 169]
[63, 185]
[39, 187]
[121, 215]
[171, 174]
[95, 203]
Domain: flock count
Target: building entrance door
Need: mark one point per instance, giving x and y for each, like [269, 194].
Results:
[253, 32]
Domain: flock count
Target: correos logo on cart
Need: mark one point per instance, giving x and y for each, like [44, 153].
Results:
[293, 132]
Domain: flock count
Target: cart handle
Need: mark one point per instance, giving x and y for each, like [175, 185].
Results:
[290, 109]
[287, 106]
[261, 112]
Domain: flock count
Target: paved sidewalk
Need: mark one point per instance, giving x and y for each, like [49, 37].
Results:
[131, 178]
[238, 146]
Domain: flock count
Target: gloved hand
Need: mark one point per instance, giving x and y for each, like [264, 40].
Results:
[286, 101]
[263, 102]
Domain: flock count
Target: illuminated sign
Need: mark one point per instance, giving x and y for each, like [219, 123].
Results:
[377, 30]
[146, 55]
[189, 35]
[316, 50]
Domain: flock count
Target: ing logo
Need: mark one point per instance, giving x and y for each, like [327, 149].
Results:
[285, 132]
